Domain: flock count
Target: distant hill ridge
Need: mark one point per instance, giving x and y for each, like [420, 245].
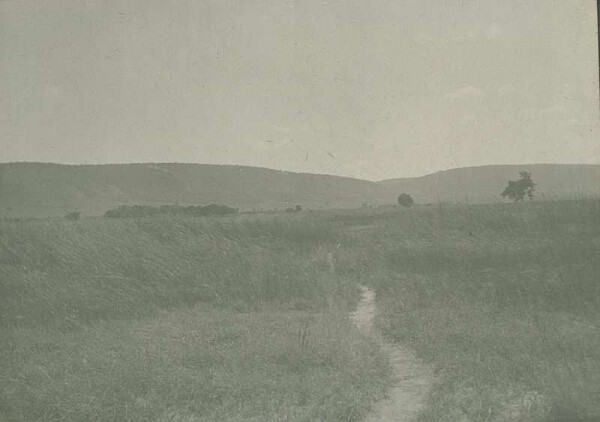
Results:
[45, 189]
[483, 184]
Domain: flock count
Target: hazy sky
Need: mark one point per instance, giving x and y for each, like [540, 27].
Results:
[371, 89]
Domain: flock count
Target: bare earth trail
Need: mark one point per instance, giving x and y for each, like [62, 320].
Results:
[412, 378]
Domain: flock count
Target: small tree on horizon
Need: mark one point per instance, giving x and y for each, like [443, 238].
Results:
[405, 200]
[517, 189]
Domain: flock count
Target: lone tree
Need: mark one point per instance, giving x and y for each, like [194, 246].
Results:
[517, 189]
[405, 200]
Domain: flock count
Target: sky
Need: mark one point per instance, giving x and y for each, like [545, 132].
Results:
[370, 89]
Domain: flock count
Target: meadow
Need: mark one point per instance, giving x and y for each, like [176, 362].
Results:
[503, 300]
[178, 319]
[241, 318]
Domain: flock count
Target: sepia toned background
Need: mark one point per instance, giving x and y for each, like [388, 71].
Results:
[373, 90]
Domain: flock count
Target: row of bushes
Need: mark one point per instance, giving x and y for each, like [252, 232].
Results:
[124, 211]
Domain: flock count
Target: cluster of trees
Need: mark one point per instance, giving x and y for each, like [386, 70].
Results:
[297, 208]
[124, 211]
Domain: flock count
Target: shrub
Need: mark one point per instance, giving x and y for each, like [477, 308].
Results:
[74, 215]
[405, 200]
[124, 211]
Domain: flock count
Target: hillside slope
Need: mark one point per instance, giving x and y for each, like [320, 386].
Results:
[484, 184]
[36, 189]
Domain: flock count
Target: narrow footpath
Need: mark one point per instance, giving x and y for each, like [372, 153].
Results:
[412, 379]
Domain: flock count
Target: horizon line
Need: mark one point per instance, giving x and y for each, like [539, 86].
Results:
[297, 172]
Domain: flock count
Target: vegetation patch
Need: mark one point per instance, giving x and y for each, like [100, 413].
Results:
[125, 211]
[172, 318]
[200, 364]
[503, 300]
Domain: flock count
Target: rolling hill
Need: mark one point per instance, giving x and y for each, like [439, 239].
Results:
[36, 189]
[483, 184]
[40, 189]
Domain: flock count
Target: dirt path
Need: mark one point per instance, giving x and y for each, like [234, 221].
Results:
[412, 378]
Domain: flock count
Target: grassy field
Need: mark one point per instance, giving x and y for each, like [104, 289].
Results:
[179, 319]
[240, 318]
[503, 300]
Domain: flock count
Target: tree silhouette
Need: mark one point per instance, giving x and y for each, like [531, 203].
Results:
[405, 200]
[517, 189]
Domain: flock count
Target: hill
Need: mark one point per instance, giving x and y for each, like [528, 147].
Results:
[39, 189]
[483, 184]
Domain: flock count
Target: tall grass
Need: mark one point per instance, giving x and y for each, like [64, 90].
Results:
[178, 319]
[504, 300]
[194, 364]
[245, 318]
[57, 272]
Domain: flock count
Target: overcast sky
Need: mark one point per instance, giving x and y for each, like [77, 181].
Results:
[371, 89]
